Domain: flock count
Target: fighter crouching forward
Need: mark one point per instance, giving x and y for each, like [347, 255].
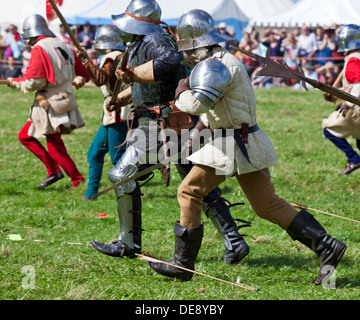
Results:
[220, 91]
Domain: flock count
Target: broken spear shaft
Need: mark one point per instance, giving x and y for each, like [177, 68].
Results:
[66, 26]
[274, 69]
[151, 259]
[300, 206]
[141, 173]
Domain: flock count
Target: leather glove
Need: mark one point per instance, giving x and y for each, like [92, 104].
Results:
[126, 76]
[83, 56]
[329, 97]
[11, 84]
[342, 108]
[194, 134]
[123, 99]
[183, 85]
[112, 107]
[78, 82]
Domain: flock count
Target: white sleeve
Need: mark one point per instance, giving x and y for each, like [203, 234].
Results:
[31, 85]
[186, 102]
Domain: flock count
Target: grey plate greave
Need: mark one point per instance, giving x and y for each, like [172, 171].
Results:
[128, 197]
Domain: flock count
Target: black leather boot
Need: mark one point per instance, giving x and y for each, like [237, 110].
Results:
[218, 210]
[306, 229]
[50, 179]
[187, 246]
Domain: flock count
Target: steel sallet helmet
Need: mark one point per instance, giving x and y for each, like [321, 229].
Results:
[349, 38]
[108, 37]
[35, 26]
[141, 17]
[196, 29]
[209, 81]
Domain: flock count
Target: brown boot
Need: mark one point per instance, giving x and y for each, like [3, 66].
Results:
[187, 246]
[306, 229]
[350, 167]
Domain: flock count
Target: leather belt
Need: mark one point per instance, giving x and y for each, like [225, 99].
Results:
[241, 137]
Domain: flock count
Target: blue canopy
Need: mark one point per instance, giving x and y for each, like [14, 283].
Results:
[222, 11]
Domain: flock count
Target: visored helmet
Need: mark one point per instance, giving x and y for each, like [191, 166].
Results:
[141, 17]
[209, 81]
[196, 29]
[108, 37]
[35, 26]
[349, 38]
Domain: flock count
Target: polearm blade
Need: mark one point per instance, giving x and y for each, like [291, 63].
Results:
[275, 69]
[140, 174]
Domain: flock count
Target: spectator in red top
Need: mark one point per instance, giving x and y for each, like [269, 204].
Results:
[51, 72]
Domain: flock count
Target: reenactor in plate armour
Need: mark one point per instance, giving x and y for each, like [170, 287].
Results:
[53, 69]
[224, 105]
[345, 120]
[112, 132]
[154, 72]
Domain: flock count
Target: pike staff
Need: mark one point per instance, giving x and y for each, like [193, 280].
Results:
[300, 206]
[66, 26]
[237, 284]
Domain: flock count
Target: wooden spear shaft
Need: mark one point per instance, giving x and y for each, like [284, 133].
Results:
[330, 214]
[151, 259]
[337, 82]
[66, 26]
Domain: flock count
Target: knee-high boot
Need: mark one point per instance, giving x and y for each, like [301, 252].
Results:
[187, 245]
[218, 211]
[306, 229]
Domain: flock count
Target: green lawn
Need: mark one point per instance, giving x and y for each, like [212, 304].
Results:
[55, 261]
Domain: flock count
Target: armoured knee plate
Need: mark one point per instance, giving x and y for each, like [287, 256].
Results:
[125, 168]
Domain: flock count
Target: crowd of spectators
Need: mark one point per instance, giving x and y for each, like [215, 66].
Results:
[15, 53]
[314, 50]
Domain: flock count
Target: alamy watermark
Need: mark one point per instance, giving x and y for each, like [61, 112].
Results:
[329, 281]
[28, 282]
[150, 140]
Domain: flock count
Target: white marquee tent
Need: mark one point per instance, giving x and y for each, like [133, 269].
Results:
[325, 13]
[256, 10]
[14, 12]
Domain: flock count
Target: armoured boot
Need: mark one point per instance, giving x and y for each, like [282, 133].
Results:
[187, 246]
[129, 242]
[217, 210]
[306, 229]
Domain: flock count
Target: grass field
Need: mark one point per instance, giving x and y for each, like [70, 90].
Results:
[55, 261]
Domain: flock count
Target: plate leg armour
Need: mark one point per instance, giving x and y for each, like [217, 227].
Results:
[128, 198]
